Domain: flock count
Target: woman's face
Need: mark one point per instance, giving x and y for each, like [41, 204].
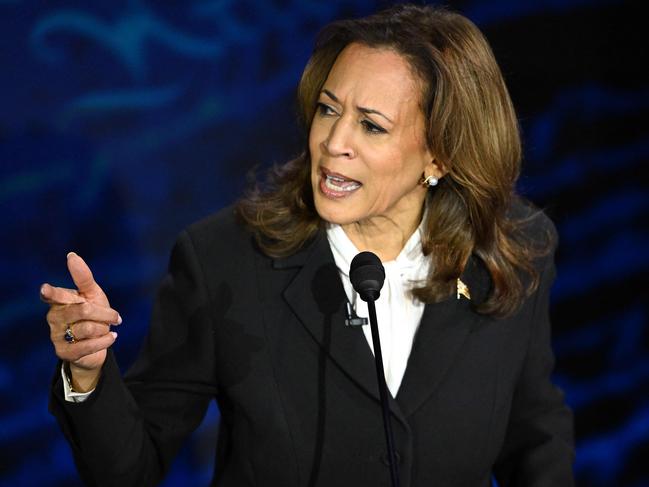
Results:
[367, 144]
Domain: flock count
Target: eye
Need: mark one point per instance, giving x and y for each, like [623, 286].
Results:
[325, 110]
[372, 128]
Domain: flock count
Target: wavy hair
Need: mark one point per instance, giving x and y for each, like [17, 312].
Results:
[471, 128]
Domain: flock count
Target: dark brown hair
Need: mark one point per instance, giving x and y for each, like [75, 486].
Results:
[472, 130]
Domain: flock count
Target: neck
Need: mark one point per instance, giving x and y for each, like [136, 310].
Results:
[383, 235]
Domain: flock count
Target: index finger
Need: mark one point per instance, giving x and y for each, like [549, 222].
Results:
[60, 295]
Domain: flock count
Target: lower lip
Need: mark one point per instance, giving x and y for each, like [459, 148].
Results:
[332, 193]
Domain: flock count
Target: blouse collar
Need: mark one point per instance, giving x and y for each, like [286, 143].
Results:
[409, 263]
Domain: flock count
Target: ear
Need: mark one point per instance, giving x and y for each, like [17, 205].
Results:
[434, 168]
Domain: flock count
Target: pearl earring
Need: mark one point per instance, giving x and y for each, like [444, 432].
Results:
[430, 181]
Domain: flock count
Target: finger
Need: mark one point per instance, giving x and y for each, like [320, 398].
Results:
[77, 350]
[83, 278]
[83, 330]
[60, 316]
[60, 295]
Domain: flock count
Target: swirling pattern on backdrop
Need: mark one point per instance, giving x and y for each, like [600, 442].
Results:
[124, 121]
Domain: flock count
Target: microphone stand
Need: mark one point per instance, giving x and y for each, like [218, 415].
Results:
[383, 393]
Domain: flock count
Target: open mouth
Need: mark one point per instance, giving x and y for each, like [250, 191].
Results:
[336, 185]
[341, 184]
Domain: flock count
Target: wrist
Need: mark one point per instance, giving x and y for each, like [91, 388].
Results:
[82, 380]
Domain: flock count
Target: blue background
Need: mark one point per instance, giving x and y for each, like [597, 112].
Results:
[121, 122]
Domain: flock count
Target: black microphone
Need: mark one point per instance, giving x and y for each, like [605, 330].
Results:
[367, 276]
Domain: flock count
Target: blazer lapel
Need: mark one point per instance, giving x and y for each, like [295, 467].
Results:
[317, 298]
[443, 329]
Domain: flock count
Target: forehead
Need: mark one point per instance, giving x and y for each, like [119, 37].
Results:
[373, 75]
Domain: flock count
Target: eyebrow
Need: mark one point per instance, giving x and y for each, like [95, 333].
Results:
[360, 109]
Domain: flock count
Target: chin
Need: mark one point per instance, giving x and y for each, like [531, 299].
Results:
[338, 212]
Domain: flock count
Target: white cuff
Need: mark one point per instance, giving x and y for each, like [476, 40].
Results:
[69, 394]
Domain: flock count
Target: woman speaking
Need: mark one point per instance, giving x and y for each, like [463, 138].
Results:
[412, 152]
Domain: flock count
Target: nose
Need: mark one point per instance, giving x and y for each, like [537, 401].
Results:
[338, 142]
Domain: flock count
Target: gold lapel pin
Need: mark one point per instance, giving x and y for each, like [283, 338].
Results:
[463, 290]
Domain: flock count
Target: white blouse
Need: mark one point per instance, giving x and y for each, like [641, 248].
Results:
[398, 312]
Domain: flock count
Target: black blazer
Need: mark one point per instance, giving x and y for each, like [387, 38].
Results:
[297, 389]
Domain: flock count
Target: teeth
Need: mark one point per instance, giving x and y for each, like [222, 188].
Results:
[336, 178]
[331, 180]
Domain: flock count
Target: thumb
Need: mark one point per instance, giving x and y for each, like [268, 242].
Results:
[83, 279]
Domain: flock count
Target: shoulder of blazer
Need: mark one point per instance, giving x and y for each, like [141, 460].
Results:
[220, 229]
[534, 227]
[536, 230]
[222, 241]
[534, 223]
[224, 230]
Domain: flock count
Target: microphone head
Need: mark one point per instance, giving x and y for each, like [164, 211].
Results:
[367, 275]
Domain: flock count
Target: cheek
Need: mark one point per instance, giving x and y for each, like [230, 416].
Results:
[312, 136]
[394, 180]
[383, 184]
[314, 143]
[390, 171]
[318, 131]
[313, 150]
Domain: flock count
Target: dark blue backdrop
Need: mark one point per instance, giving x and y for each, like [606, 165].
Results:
[123, 121]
